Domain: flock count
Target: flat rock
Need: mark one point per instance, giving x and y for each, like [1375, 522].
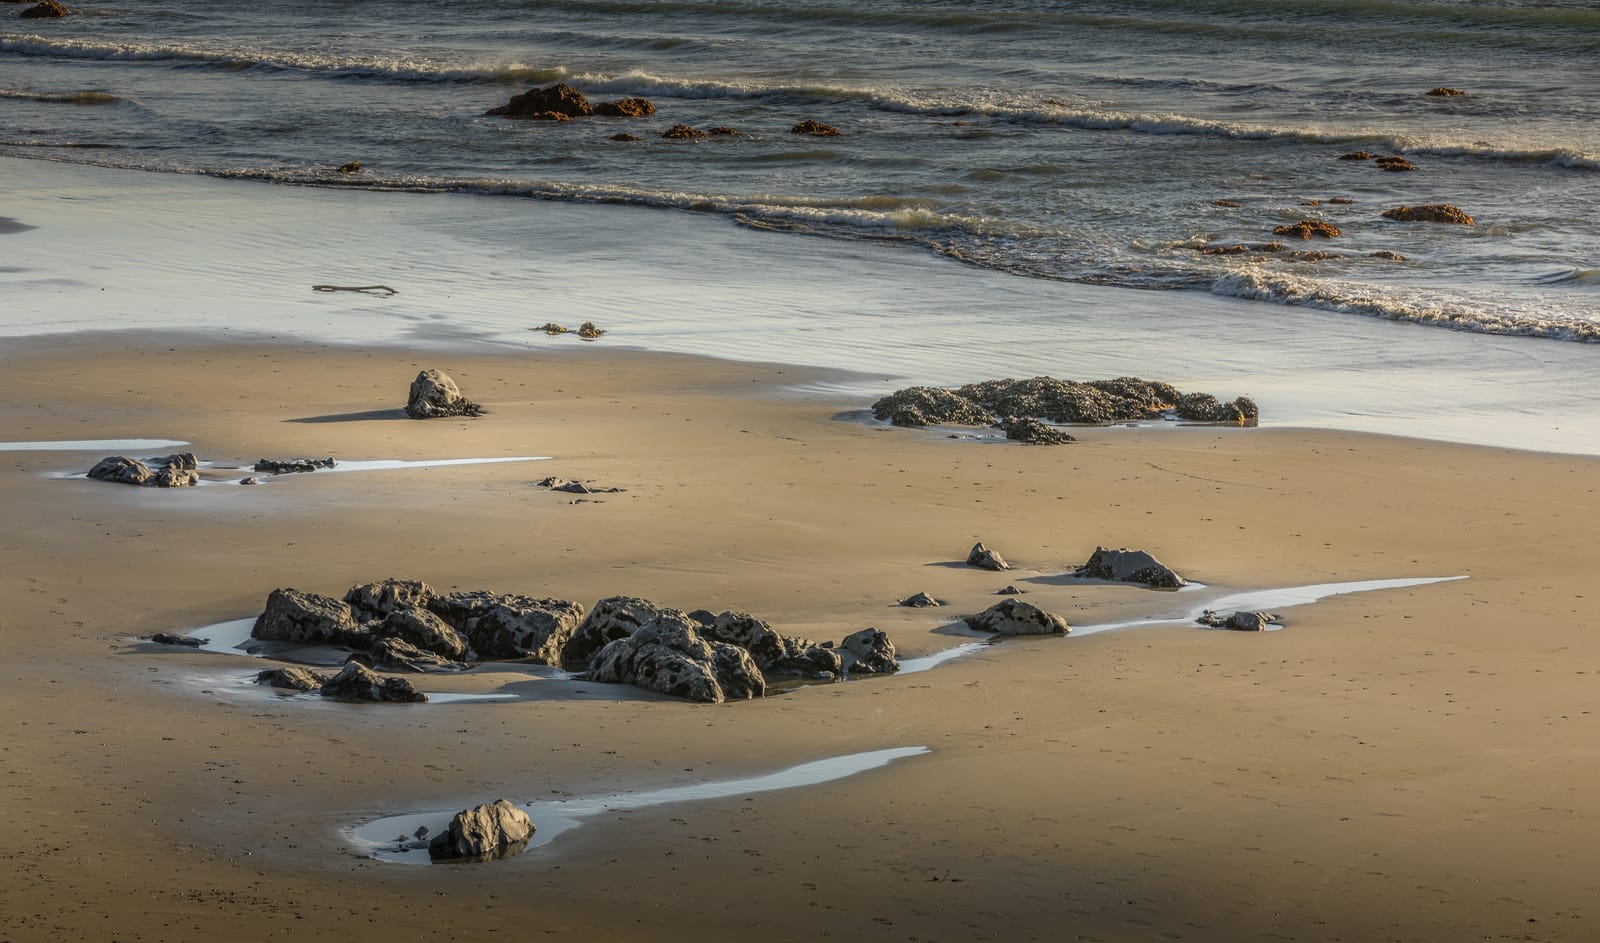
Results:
[166, 471]
[484, 833]
[1241, 621]
[1130, 566]
[167, 638]
[285, 466]
[396, 654]
[1015, 617]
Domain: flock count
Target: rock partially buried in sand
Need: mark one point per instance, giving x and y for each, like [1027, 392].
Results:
[167, 638]
[357, 682]
[307, 619]
[1430, 213]
[1015, 617]
[1130, 566]
[1241, 621]
[434, 395]
[926, 406]
[167, 471]
[985, 559]
[869, 651]
[1124, 399]
[483, 833]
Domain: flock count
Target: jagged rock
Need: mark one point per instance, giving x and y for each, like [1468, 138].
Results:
[1241, 621]
[1444, 91]
[293, 465]
[815, 128]
[1203, 407]
[927, 405]
[1015, 617]
[487, 832]
[292, 678]
[625, 136]
[165, 471]
[434, 394]
[626, 108]
[1356, 155]
[985, 559]
[357, 682]
[1129, 566]
[396, 654]
[557, 483]
[1009, 591]
[511, 626]
[1395, 163]
[542, 103]
[167, 638]
[1430, 213]
[307, 619]
[920, 601]
[1034, 431]
[1240, 248]
[45, 9]
[682, 132]
[1307, 228]
[376, 600]
[868, 651]
[1067, 401]
[773, 652]
[427, 632]
[612, 618]
[669, 656]
[1386, 254]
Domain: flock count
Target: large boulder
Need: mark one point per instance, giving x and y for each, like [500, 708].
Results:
[669, 656]
[1130, 566]
[612, 618]
[1430, 213]
[559, 101]
[1015, 617]
[927, 405]
[511, 626]
[357, 682]
[307, 619]
[483, 833]
[378, 599]
[426, 631]
[868, 651]
[122, 470]
[433, 394]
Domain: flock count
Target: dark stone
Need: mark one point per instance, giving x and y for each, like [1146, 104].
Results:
[626, 108]
[45, 9]
[1386, 254]
[511, 626]
[1356, 155]
[815, 129]
[587, 331]
[425, 631]
[1203, 407]
[292, 678]
[1395, 164]
[1129, 566]
[354, 167]
[1066, 401]
[1033, 431]
[985, 559]
[920, 601]
[433, 394]
[166, 471]
[293, 465]
[396, 654]
[1444, 91]
[307, 619]
[1015, 617]
[1307, 228]
[722, 131]
[1009, 591]
[378, 599]
[682, 132]
[357, 682]
[1430, 213]
[167, 638]
[560, 100]
[1241, 621]
[487, 832]
[611, 618]
[625, 136]
[668, 655]
[868, 651]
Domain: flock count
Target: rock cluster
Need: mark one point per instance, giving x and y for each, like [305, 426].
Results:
[483, 833]
[433, 395]
[293, 465]
[1430, 213]
[562, 102]
[354, 682]
[682, 132]
[1058, 401]
[405, 625]
[167, 471]
[1307, 228]
[1445, 91]
[1395, 163]
[1129, 566]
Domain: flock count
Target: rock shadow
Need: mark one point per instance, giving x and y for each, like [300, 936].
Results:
[369, 415]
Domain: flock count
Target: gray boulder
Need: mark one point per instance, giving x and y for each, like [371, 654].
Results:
[612, 618]
[424, 630]
[307, 619]
[511, 626]
[290, 466]
[1015, 617]
[357, 682]
[433, 395]
[1129, 566]
[1241, 621]
[166, 471]
[378, 599]
[669, 656]
[483, 833]
[920, 601]
[292, 678]
[868, 651]
[773, 652]
[985, 559]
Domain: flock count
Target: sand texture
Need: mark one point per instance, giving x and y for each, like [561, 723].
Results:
[1412, 764]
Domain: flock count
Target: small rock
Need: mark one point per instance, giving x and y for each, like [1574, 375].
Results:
[1241, 621]
[588, 331]
[252, 480]
[682, 132]
[1129, 566]
[1307, 228]
[920, 601]
[1034, 431]
[433, 395]
[868, 651]
[167, 638]
[1430, 213]
[1009, 591]
[354, 167]
[551, 327]
[293, 465]
[815, 128]
[985, 559]
[1015, 617]
[292, 678]
[558, 102]
[1226, 203]
[626, 108]
[1395, 164]
[722, 130]
[625, 136]
[46, 9]
[1445, 91]
[1386, 254]
[357, 682]
[1356, 155]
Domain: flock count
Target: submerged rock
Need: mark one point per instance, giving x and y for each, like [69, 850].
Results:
[1015, 617]
[682, 132]
[433, 395]
[626, 108]
[1130, 566]
[307, 619]
[587, 331]
[1430, 213]
[484, 833]
[357, 682]
[1444, 91]
[553, 102]
[46, 9]
[815, 128]
[292, 678]
[1395, 164]
[1386, 254]
[1307, 228]
[1356, 155]
[625, 136]
[985, 559]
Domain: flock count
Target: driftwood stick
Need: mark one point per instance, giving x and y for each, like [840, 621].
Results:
[366, 288]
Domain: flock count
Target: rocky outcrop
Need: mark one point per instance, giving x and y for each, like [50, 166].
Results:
[1129, 566]
[292, 678]
[510, 626]
[433, 395]
[1241, 621]
[376, 600]
[1015, 617]
[1444, 91]
[612, 618]
[626, 108]
[668, 655]
[46, 9]
[307, 619]
[1386, 254]
[552, 102]
[483, 833]
[357, 682]
[774, 653]
[1395, 164]
[927, 406]
[1203, 407]
[985, 559]
[290, 466]
[396, 654]
[868, 651]
[167, 471]
[1067, 401]
[425, 631]
[1430, 213]
[1307, 228]
[920, 601]
[1033, 431]
[815, 128]
[682, 132]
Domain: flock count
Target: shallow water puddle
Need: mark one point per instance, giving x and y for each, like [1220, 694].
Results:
[91, 445]
[391, 838]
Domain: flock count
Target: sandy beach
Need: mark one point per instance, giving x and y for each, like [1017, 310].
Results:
[1404, 764]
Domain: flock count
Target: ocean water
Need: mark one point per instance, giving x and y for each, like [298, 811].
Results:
[1079, 140]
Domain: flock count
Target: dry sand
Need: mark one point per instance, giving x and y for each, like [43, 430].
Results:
[1413, 764]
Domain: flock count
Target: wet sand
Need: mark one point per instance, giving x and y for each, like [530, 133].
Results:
[1411, 763]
